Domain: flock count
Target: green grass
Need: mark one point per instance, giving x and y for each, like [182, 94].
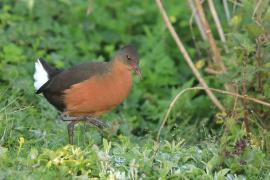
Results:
[194, 145]
[34, 146]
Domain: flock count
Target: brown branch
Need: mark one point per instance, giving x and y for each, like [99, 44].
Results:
[212, 71]
[89, 8]
[202, 88]
[256, 16]
[214, 49]
[227, 11]
[199, 25]
[182, 49]
[260, 40]
[259, 65]
[211, 40]
[197, 19]
[244, 91]
[235, 104]
[217, 22]
[234, 6]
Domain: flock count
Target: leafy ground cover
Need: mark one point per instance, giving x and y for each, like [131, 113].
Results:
[198, 141]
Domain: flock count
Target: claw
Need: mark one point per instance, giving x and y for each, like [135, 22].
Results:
[96, 122]
[74, 120]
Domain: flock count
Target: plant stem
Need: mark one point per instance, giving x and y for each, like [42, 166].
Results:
[227, 11]
[213, 46]
[259, 65]
[202, 88]
[197, 19]
[212, 42]
[244, 91]
[183, 50]
[217, 22]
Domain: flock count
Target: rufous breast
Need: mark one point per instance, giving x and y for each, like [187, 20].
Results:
[100, 93]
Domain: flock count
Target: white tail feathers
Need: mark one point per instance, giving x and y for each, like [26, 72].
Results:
[40, 76]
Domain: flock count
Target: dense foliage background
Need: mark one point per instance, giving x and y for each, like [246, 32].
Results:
[194, 144]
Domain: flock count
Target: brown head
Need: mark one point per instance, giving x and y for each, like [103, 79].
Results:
[129, 56]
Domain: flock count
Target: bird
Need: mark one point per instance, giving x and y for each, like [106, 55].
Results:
[86, 91]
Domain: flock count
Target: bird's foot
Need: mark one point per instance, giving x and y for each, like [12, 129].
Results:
[96, 122]
[75, 119]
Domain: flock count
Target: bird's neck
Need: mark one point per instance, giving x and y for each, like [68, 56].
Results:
[118, 65]
[121, 72]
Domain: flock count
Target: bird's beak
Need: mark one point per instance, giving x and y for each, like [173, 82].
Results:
[137, 70]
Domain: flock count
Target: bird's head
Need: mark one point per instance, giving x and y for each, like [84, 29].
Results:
[129, 56]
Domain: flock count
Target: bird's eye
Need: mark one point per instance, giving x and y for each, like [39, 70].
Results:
[129, 58]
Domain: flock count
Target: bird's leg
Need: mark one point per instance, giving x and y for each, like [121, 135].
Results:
[71, 131]
[70, 126]
[74, 120]
[89, 119]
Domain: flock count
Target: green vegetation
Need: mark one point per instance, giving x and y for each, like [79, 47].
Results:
[197, 142]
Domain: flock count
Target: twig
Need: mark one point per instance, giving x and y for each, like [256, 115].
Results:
[226, 9]
[244, 91]
[197, 19]
[187, 58]
[235, 104]
[263, 38]
[212, 71]
[198, 51]
[214, 49]
[260, 40]
[212, 42]
[235, 3]
[89, 8]
[202, 88]
[259, 64]
[18, 110]
[233, 114]
[255, 16]
[217, 22]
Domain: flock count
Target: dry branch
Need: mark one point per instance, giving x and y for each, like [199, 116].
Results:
[217, 22]
[202, 88]
[216, 19]
[244, 91]
[213, 46]
[235, 104]
[211, 40]
[259, 65]
[212, 71]
[182, 49]
[257, 15]
[197, 19]
[227, 11]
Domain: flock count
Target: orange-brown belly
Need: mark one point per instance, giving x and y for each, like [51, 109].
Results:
[97, 95]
